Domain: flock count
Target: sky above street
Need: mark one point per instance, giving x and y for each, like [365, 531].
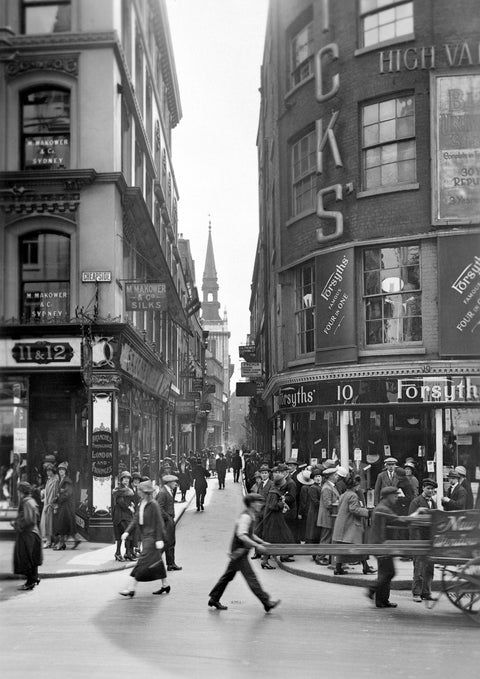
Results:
[218, 50]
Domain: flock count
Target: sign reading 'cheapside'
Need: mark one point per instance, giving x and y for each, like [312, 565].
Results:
[145, 296]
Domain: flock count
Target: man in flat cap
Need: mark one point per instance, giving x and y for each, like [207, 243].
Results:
[456, 497]
[386, 478]
[422, 566]
[384, 516]
[167, 509]
[243, 539]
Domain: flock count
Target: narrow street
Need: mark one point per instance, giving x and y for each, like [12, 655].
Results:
[80, 627]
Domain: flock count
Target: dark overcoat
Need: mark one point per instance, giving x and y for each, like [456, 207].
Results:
[27, 552]
[123, 497]
[150, 564]
[167, 510]
[184, 476]
[64, 522]
[274, 527]
[312, 511]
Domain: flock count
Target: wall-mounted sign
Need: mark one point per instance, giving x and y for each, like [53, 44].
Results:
[102, 453]
[248, 352]
[335, 306]
[246, 389]
[185, 407]
[47, 151]
[251, 369]
[459, 295]
[456, 148]
[46, 302]
[145, 296]
[197, 384]
[96, 276]
[47, 353]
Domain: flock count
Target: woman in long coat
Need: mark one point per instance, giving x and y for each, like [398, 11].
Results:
[64, 523]
[312, 531]
[27, 555]
[50, 492]
[122, 512]
[184, 476]
[148, 520]
[350, 525]
[274, 527]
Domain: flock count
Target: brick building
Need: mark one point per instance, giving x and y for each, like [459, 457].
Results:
[365, 301]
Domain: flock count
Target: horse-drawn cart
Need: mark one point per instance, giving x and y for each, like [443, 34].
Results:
[454, 546]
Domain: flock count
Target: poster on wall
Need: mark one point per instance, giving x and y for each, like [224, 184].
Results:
[335, 302]
[459, 295]
[456, 149]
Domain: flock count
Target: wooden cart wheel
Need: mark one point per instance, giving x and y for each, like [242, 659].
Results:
[462, 587]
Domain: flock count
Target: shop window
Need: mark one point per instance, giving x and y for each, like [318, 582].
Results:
[41, 16]
[388, 143]
[384, 20]
[392, 295]
[45, 278]
[305, 309]
[303, 174]
[45, 129]
[301, 55]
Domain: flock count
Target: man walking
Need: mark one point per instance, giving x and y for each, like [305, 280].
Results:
[243, 539]
[167, 510]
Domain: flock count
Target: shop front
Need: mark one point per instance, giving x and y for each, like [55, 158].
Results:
[360, 417]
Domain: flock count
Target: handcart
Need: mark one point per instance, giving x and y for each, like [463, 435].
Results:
[454, 546]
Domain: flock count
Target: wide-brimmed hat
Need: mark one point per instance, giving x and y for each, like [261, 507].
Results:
[168, 478]
[146, 487]
[305, 477]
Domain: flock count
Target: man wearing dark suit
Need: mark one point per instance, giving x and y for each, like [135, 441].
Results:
[386, 478]
[422, 566]
[221, 467]
[167, 510]
[456, 494]
[262, 487]
[466, 484]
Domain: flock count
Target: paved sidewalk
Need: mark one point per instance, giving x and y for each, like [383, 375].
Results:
[87, 559]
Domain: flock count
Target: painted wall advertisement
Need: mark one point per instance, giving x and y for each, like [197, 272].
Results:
[459, 301]
[456, 125]
[335, 304]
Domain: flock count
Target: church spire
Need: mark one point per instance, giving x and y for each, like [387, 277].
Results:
[210, 303]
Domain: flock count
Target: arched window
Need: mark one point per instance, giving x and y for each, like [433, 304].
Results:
[45, 128]
[45, 277]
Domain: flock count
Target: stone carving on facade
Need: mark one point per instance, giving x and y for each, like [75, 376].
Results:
[62, 63]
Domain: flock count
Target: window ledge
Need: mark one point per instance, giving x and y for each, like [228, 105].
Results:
[388, 189]
[386, 43]
[392, 352]
[308, 358]
[302, 215]
[297, 87]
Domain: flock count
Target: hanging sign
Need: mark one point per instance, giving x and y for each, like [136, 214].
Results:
[145, 296]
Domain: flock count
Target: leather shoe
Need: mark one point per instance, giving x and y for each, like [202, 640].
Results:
[271, 604]
[340, 571]
[216, 604]
[417, 599]
[174, 567]
[163, 590]
[429, 597]
[388, 604]
[286, 559]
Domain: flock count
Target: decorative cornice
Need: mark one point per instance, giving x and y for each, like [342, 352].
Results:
[54, 40]
[105, 380]
[384, 370]
[41, 204]
[62, 63]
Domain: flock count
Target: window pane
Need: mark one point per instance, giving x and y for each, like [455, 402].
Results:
[387, 130]
[386, 32]
[405, 127]
[47, 18]
[371, 259]
[372, 178]
[407, 171]
[370, 114]
[370, 135]
[46, 129]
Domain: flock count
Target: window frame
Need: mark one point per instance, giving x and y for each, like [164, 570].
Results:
[379, 10]
[303, 179]
[386, 146]
[305, 333]
[64, 282]
[26, 4]
[296, 77]
[387, 301]
[66, 135]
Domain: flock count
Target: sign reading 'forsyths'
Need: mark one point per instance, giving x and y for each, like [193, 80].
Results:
[145, 296]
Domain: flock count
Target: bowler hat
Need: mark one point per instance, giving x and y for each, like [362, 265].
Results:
[388, 490]
[146, 487]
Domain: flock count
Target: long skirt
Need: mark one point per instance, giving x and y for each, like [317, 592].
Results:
[150, 564]
[27, 554]
[46, 522]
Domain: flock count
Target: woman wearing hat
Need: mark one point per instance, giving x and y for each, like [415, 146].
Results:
[350, 524]
[27, 555]
[50, 492]
[122, 512]
[274, 527]
[149, 521]
[64, 523]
